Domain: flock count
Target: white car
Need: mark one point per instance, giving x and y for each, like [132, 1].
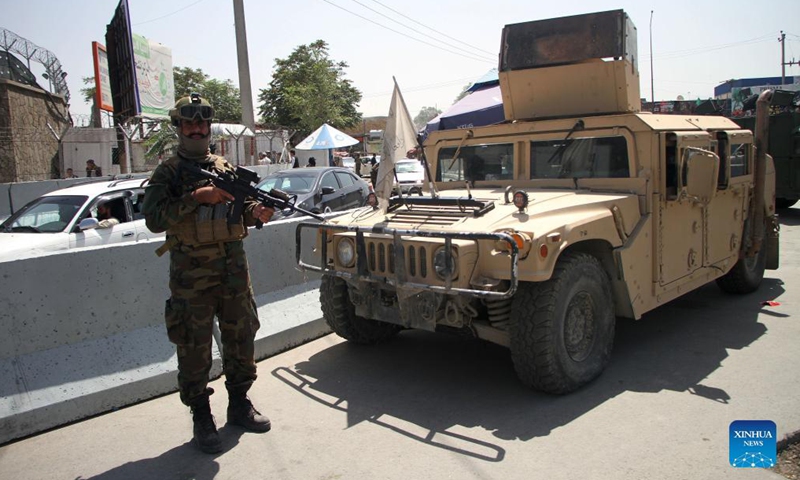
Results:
[67, 218]
[410, 174]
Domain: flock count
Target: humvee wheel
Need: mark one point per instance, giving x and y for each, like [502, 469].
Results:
[340, 315]
[781, 203]
[747, 274]
[562, 330]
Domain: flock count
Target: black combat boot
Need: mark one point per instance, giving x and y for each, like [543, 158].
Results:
[205, 431]
[242, 413]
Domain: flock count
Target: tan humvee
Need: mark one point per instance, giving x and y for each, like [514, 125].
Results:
[544, 229]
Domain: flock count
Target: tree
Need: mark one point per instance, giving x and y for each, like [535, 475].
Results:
[88, 92]
[222, 95]
[463, 93]
[307, 90]
[425, 115]
[188, 80]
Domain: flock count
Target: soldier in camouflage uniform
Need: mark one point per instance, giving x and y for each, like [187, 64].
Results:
[208, 275]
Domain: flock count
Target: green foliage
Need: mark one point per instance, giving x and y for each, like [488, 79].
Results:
[161, 140]
[425, 115]
[188, 80]
[222, 95]
[88, 92]
[463, 93]
[307, 90]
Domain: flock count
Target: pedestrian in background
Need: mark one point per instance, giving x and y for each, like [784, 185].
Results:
[209, 275]
[92, 170]
[373, 172]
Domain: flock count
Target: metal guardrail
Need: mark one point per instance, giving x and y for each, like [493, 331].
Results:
[400, 277]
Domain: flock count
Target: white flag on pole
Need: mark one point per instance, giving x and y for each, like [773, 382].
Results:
[399, 137]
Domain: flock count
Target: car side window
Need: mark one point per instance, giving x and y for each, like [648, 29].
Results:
[116, 206]
[328, 180]
[345, 179]
[137, 200]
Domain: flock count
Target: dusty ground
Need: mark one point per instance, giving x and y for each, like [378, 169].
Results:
[789, 461]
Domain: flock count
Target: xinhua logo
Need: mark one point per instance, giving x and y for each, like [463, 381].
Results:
[752, 444]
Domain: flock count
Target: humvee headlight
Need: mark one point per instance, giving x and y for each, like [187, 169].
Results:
[346, 252]
[521, 239]
[445, 267]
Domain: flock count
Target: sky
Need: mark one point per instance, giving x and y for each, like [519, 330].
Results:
[434, 48]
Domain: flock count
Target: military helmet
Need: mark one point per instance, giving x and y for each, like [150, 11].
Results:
[190, 108]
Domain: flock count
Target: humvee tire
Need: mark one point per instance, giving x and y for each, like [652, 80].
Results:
[562, 330]
[782, 203]
[746, 275]
[340, 314]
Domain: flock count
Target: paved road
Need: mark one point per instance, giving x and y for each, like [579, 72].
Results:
[432, 406]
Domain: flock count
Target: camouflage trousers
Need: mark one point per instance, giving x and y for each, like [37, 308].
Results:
[206, 282]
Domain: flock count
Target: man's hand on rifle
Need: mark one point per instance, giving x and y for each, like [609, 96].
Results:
[262, 213]
[212, 195]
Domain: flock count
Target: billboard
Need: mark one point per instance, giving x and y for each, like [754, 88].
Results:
[153, 77]
[102, 82]
[121, 66]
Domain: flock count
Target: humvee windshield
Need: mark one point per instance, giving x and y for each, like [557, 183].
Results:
[602, 157]
[476, 162]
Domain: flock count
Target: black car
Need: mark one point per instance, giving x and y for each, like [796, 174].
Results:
[319, 189]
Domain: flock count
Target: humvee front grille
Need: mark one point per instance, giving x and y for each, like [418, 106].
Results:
[387, 260]
[381, 258]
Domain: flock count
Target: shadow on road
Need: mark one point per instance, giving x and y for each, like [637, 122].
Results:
[433, 388]
[184, 461]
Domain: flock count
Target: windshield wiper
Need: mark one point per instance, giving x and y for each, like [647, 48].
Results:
[560, 150]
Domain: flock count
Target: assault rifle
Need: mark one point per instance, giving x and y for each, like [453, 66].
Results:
[241, 185]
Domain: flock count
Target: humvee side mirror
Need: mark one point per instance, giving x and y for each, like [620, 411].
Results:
[700, 171]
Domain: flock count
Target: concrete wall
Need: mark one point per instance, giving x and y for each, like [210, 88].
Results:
[81, 144]
[28, 149]
[84, 334]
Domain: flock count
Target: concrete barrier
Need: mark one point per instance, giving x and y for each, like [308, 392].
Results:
[84, 330]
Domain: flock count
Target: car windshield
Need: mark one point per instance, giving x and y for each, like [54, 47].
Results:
[295, 183]
[45, 215]
[408, 167]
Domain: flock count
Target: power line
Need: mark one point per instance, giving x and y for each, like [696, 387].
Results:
[169, 14]
[433, 29]
[421, 87]
[417, 31]
[403, 34]
[699, 50]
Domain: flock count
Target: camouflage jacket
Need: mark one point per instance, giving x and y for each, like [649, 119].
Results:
[168, 196]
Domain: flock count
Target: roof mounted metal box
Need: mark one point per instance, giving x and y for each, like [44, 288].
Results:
[579, 65]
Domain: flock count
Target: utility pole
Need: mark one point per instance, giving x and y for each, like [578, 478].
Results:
[245, 90]
[783, 58]
[652, 88]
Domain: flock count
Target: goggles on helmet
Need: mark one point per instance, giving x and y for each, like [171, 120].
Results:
[193, 112]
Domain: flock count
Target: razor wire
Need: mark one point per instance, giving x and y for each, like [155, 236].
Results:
[11, 42]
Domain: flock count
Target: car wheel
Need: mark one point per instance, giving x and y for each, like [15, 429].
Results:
[747, 274]
[562, 330]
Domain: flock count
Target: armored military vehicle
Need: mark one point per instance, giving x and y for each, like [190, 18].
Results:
[783, 145]
[541, 231]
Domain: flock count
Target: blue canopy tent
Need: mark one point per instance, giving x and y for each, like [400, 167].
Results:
[483, 106]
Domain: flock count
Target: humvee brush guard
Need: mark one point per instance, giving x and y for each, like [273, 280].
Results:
[544, 229]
